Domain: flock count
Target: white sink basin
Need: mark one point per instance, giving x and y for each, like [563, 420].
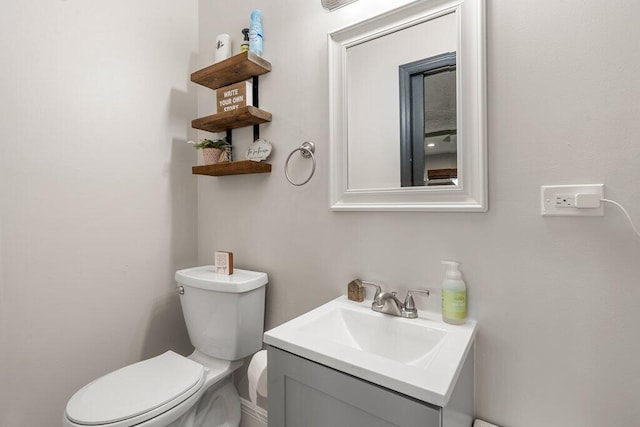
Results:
[402, 341]
[418, 357]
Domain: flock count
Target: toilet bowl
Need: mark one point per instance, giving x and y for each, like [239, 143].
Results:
[224, 317]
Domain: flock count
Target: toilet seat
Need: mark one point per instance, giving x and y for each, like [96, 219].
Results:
[138, 392]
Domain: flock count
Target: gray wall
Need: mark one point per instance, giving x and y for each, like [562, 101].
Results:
[98, 207]
[556, 299]
[97, 201]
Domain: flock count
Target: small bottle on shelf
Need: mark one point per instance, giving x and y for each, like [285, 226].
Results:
[255, 33]
[244, 47]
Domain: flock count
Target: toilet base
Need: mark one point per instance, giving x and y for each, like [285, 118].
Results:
[219, 406]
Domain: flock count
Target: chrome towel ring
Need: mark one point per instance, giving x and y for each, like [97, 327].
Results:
[306, 151]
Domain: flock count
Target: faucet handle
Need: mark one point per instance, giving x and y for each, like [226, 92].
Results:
[409, 304]
[376, 297]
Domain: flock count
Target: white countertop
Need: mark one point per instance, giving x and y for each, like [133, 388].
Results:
[421, 357]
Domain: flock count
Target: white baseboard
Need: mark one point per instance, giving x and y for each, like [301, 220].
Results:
[252, 415]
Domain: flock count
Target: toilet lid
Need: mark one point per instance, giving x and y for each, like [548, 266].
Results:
[136, 389]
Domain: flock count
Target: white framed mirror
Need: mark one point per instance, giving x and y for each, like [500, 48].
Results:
[408, 114]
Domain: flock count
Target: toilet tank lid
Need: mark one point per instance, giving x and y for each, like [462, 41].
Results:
[206, 278]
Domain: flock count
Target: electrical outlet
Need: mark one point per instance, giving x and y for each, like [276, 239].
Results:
[559, 200]
[564, 200]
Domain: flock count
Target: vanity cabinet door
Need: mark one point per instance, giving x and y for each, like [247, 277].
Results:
[306, 394]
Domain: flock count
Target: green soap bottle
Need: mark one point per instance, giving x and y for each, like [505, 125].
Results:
[454, 295]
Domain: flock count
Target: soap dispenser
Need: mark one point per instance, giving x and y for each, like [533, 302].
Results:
[454, 295]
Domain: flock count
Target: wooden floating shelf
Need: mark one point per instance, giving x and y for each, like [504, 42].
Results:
[239, 67]
[244, 116]
[232, 168]
[232, 70]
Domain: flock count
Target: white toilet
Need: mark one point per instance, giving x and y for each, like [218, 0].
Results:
[225, 319]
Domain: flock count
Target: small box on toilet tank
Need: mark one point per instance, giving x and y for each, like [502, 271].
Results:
[224, 262]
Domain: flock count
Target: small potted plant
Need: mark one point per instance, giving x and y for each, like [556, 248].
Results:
[211, 149]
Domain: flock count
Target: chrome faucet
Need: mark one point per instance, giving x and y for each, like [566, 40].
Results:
[388, 302]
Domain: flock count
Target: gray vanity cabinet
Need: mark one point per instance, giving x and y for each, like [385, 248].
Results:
[303, 393]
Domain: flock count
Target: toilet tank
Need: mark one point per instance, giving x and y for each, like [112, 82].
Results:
[224, 314]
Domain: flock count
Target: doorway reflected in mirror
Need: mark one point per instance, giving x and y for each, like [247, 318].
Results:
[428, 122]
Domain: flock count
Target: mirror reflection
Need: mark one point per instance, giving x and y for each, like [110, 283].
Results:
[428, 120]
[401, 107]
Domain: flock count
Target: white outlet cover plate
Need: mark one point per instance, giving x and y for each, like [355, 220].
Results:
[549, 193]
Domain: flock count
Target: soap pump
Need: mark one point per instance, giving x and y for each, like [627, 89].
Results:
[454, 295]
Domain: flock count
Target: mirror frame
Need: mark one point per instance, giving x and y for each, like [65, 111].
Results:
[471, 193]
